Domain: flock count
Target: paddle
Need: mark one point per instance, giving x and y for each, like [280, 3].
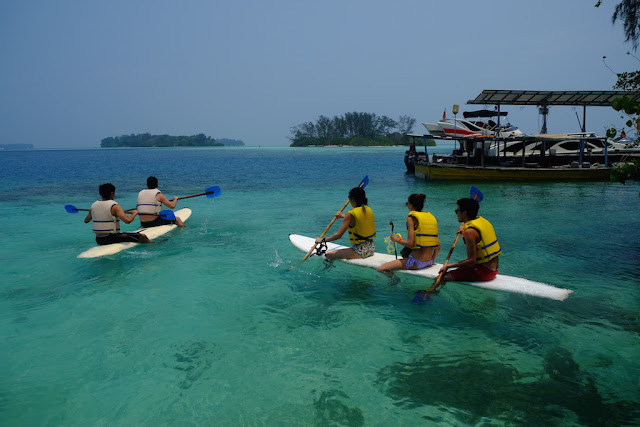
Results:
[418, 298]
[166, 213]
[362, 184]
[210, 192]
[475, 194]
[395, 249]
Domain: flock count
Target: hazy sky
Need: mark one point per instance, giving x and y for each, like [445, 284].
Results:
[74, 72]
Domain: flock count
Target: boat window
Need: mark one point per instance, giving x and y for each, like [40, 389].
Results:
[516, 146]
[570, 145]
[471, 126]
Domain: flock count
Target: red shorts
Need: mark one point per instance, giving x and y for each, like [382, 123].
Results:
[477, 273]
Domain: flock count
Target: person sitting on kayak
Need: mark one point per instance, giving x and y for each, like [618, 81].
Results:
[106, 215]
[422, 245]
[360, 223]
[483, 248]
[150, 200]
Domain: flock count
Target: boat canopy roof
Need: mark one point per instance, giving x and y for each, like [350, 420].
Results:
[587, 98]
[483, 113]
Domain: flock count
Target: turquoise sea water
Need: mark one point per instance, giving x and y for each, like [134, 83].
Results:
[212, 325]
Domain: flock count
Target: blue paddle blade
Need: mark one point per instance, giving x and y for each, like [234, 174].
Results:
[364, 181]
[167, 214]
[475, 194]
[212, 191]
[71, 208]
[417, 299]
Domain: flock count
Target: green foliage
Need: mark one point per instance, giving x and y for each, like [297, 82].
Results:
[628, 11]
[625, 171]
[148, 140]
[357, 129]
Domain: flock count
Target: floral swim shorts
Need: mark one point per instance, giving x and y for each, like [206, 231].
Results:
[365, 249]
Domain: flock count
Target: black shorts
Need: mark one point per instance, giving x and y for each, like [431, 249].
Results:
[156, 222]
[107, 239]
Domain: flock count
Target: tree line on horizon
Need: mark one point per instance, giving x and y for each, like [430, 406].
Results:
[148, 140]
[359, 129]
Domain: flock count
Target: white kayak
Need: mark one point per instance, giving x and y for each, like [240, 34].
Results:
[500, 283]
[151, 233]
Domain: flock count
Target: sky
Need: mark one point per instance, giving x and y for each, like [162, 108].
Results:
[75, 72]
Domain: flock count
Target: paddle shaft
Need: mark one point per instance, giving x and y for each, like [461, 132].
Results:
[79, 209]
[446, 262]
[128, 210]
[195, 195]
[395, 249]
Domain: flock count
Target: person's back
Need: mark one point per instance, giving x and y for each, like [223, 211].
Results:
[106, 214]
[422, 245]
[150, 201]
[360, 223]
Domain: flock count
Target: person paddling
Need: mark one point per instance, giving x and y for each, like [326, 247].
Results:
[150, 200]
[422, 241]
[361, 225]
[483, 248]
[106, 215]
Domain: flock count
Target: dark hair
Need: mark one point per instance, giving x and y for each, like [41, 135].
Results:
[469, 206]
[152, 182]
[358, 195]
[417, 201]
[106, 190]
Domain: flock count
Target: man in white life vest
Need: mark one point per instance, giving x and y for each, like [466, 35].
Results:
[150, 200]
[106, 215]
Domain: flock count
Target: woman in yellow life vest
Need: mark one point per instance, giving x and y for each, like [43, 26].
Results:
[422, 238]
[360, 223]
[483, 248]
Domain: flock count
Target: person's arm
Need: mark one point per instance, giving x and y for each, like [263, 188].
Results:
[338, 234]
[88, 218]
[117, 211]
[411, 234]
[171, 204]
[471, 237]
[436, 251]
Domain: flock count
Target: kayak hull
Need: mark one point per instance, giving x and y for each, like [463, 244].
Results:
[151, 233]
[502, 282]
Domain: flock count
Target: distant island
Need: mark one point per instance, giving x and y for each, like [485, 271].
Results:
[354, 129]
[230, 142]
[148, 140]
[16, 146]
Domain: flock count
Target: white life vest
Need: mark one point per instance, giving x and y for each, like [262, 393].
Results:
[147, 202]
[103, 221]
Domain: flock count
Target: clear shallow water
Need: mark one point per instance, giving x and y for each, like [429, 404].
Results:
[213, 326]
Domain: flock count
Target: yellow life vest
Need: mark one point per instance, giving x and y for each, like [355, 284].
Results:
[488, 247]
[365, 228]
[426, 235]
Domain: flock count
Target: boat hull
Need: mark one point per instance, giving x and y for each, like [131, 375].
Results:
[433, 171]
